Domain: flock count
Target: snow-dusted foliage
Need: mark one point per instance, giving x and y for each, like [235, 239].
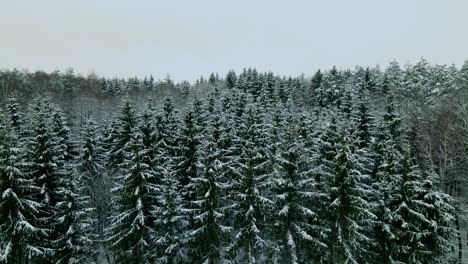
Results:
[250, 203]
[131, 228]
[301, 235]
[347, 166]
[19, 232]
[208, 233]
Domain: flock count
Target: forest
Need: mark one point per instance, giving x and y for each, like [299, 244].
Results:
[363, 165]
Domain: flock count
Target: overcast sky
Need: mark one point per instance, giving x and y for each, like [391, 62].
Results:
[190, 38]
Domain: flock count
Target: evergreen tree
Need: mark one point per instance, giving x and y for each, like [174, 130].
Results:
[121, 136]
[20, 233]
[249, 200]
[297, 222]
[315, 92]
[170, 223]
[45, 166]
[14, 115]
[208, 234]
[410, 215]
[189, 144]
[166, 147]
[439, 227]
[349, 212]
[75, 241]
[131, 231]
[93, 180]
[62, 132]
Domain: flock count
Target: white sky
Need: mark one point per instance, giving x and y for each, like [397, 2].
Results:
[190, 38]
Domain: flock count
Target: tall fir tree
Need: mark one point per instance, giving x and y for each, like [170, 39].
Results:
[208, 234]
[20, 233]
[348, 210]
[45, 166]
[94, 181]
[131, 232]
[121, 135]
[170, 223]
[248, 192]
[301, 235]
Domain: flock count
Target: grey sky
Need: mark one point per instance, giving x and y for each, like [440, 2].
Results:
[189, 38]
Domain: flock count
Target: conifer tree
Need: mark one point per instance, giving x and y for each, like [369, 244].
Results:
[62, 132]
[409, 214]
[131, 231]
[231, 79]
[297, 222]
[94, 181]
[439, 227]
[250, 202]
[14, 115]
[121, 135]
[385, 166]
[167, 126]
[208, 234]
[76, 237]
[20, 233]
[170, 223]
[45, 166]
[349, 212]
[189, 144]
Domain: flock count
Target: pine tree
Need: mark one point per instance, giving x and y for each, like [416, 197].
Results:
[131, 231]
[349, 212]
[93, 180]
[120, 137]
[20, 233]
[170, 223]
[439, 213]
[62, 132]
[297, 222]
[208, 234]
[410, 216]
[14, 115]
[249, 199]
[189, 145]
[45, 166]
[75, 241]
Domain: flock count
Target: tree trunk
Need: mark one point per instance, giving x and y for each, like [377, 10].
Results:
[460, 246]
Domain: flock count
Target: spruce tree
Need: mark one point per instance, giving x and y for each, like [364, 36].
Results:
[45, 166]
[131, 230]
[409, 214]
[208, 233]
[94, 181]
[439, 213]
[20, 233]
[301, 235]
[121, 135]
[76, 237]
[349, 211]
[15, 117]
[250, 202]
[170, 223]
[188, 150]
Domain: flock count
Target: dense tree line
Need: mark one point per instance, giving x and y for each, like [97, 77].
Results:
[362, 166]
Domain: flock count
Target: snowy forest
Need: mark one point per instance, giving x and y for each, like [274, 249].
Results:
[363, 165]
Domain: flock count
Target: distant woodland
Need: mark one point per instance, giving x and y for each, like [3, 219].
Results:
[363, 165]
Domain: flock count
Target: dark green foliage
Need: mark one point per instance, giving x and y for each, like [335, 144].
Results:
[345, 166]
[131, 230]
